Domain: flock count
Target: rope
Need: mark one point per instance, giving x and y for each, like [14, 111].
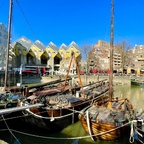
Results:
[138, 133]
[90, 100]
[26, 19]
[133, 131]
[11, 118]
[131, 139]
[140, 141]
[88, 124]
[63, 138]
[10, 130]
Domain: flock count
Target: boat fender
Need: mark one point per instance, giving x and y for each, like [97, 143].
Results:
[52, 117]
[131, 139]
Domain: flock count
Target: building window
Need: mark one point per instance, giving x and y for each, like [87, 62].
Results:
[5, 36]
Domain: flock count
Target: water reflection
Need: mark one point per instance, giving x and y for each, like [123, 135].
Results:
[134, 93]
[30, 135]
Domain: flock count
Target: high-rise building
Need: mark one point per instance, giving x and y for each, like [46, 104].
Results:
[3, 45]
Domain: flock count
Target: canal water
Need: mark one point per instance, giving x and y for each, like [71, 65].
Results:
[73, 134]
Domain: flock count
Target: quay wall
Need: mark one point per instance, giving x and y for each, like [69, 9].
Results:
[117, 80]
[86, 79]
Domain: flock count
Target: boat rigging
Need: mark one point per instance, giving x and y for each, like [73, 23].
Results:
[73, 57]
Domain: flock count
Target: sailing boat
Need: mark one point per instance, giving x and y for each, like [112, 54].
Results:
[108, 121]
[8, 99]
[61, 110]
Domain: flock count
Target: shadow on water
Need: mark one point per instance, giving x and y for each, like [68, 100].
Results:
[27, 134]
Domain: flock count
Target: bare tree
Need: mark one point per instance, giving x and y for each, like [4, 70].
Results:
[85, 50]
[124, 47]
[93, 59]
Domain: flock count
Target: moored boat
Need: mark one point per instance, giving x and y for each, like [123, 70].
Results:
[8, 99]
[108, 121]
[137, 82]
[61, 110]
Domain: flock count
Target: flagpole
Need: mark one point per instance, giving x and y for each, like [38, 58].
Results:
[8, 45]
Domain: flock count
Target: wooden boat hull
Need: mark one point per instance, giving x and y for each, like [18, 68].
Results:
[137, 82]
[52, 120]
[100, 131]
[58, 117]
[107, 123]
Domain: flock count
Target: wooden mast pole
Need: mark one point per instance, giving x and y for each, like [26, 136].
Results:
[73, 57]
[68, 71]
[111, 52]
[8, 45]
[79, 76]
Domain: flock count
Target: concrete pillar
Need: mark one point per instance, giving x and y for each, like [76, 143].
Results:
[51, 63]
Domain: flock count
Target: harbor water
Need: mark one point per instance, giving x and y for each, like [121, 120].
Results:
[19, 132]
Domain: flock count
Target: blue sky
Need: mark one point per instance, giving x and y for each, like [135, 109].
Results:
[82, 21]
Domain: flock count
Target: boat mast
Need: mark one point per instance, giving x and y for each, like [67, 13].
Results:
[111, 52]
[8, 45]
